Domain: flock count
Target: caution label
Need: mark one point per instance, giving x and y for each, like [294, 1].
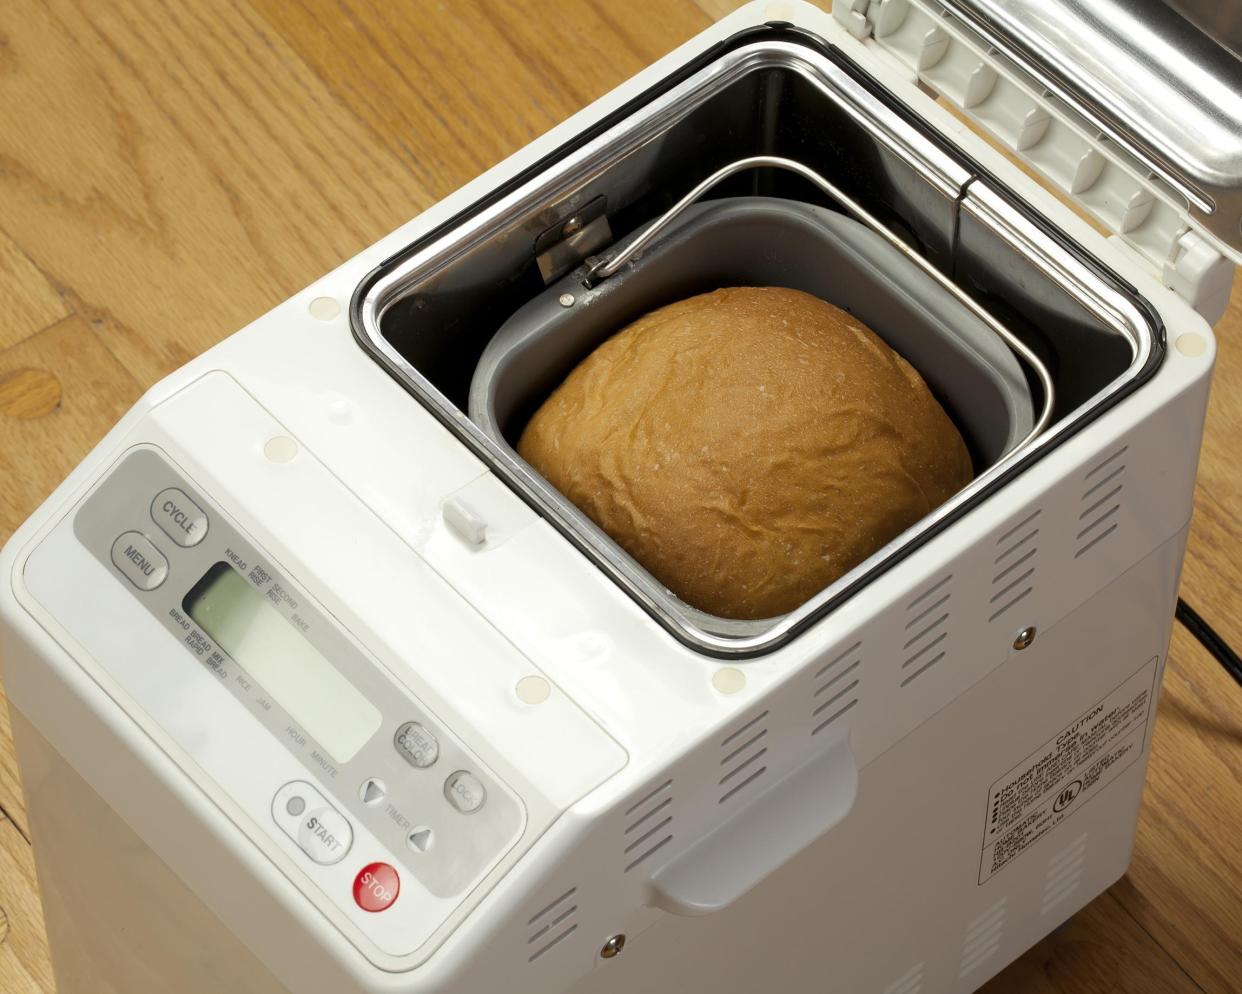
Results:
[1060, 776]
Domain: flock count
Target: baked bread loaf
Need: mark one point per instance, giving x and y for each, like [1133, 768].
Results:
[747, 446]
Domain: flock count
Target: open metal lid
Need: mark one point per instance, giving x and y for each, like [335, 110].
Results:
[1160, 78]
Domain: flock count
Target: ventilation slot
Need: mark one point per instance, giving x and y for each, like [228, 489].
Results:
[836, 688]
[925, 632]
[983, 937]
[552, 925]
[910, 982]
[1064, 873]
[742, 762]
[1101, 502]
[1013, 578]
[648, 825]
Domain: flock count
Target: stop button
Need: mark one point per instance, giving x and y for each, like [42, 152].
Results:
[376, 887]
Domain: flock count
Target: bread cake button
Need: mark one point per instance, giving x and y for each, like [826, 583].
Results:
[416, 745]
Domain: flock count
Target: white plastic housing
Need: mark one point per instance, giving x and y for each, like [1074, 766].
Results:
[865, 751]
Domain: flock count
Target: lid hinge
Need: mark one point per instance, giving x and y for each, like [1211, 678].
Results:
[947, 58]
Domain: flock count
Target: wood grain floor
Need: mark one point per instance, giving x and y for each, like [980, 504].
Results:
[170, 169]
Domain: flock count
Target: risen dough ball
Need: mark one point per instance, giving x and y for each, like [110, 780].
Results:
[747, 446]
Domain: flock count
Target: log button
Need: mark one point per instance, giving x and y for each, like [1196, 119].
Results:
[181, 519]
[465, 792]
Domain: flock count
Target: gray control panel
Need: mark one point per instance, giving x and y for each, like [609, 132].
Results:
[386, 761]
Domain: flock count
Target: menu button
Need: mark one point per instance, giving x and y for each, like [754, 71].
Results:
[140, 562]
[181, 519]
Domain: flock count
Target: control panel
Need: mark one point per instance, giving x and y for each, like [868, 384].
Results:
[390, 814]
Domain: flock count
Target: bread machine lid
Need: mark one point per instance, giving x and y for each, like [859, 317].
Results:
[1133, 108]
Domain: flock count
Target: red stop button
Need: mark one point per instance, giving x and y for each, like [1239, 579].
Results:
[376, 887]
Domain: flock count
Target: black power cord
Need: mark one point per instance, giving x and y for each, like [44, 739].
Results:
[1207, 635]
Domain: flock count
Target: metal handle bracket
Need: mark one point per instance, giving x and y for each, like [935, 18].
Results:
[607, 267]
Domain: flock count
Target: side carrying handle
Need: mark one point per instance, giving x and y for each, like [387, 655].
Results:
[757, 840]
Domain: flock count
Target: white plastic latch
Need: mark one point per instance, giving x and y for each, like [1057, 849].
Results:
[853, 14]
[1200, 274]
[466, 523]
[948, 59]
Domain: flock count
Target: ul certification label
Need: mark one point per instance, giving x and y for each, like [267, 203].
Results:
[1064, 773]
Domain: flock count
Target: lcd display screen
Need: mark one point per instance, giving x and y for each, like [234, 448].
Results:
[242, 622]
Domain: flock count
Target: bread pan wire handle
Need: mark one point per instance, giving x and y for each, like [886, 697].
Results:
[607, 267]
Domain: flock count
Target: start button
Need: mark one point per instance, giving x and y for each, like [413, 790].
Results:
[376, 887]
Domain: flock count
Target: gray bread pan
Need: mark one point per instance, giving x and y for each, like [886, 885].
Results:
[755, 241]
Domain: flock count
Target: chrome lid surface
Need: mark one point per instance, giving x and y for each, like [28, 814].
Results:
[1161, 78]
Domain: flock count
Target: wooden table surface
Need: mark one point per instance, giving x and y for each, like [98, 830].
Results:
[170, 169]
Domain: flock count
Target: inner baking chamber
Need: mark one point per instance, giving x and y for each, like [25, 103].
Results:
[442, 328]
[436, 307]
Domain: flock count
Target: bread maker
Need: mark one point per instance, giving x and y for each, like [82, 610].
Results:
[318, 688]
